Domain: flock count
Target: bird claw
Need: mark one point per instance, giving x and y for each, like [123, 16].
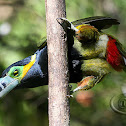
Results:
[69, 96]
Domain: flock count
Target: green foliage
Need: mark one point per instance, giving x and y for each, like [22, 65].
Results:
[29, 107]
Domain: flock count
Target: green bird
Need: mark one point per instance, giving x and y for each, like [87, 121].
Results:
[100, 51]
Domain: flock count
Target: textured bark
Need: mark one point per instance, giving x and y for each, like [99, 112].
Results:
[57, 64]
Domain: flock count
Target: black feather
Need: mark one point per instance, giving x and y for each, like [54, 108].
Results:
[99, 22]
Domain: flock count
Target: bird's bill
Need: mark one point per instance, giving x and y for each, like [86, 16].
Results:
[7, 84]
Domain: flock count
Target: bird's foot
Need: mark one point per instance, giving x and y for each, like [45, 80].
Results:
[70, 96]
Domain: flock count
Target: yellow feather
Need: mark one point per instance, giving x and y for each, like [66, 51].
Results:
[29, 65]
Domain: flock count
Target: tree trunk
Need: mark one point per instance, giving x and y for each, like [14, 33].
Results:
[57, 64]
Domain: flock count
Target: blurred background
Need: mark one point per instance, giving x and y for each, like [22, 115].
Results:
[22, 25]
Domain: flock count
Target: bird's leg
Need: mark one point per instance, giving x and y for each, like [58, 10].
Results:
[88, 82]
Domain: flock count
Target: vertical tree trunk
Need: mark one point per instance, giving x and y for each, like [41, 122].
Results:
[57, 64]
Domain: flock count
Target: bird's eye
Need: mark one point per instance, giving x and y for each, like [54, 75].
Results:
[4, 84]
[15, 73]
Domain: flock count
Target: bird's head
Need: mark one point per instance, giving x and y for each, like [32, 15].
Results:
[87, 34]
[29, 72]
[14, 75]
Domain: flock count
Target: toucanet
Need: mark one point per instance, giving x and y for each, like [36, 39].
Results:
[33, 71]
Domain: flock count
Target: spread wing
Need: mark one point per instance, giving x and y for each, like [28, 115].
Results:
[99, 22]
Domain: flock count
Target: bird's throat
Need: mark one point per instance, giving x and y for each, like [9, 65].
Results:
[29, 65]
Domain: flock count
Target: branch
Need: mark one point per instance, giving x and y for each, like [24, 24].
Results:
[57, 64]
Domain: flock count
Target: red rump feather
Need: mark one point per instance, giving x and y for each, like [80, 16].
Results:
[114, 58]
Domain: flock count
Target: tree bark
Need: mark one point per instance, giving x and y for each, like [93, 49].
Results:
[57, 64]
